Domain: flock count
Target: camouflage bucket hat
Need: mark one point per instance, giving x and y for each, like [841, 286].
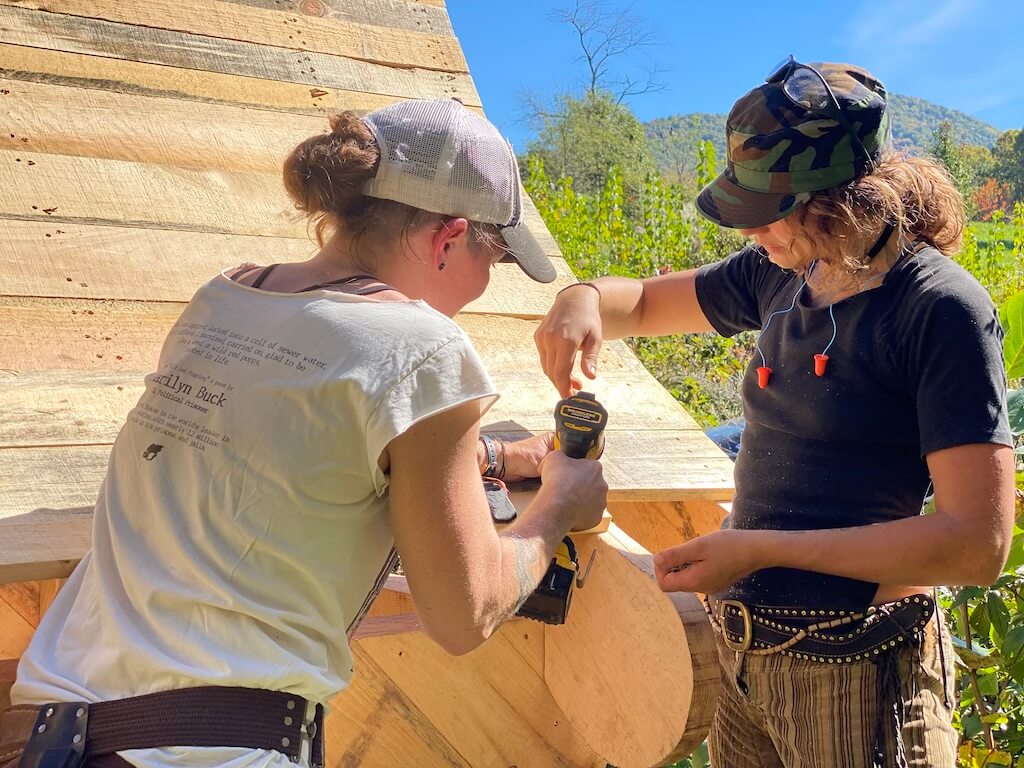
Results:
[808, 128]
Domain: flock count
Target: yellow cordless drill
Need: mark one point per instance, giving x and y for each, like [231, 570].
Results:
[579, 433]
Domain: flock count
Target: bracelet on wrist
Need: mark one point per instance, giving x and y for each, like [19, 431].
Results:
[501, 467]
[490, 468]
[586, 283]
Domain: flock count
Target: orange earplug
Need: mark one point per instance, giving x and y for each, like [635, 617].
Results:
[820, 363]
[764, 373]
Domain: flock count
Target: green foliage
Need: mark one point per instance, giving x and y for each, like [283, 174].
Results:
[968, 165]
[675, 142]
[994, 253]
[1008, 162]
[586, 136]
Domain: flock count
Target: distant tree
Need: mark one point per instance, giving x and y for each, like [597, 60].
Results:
[1008, 161]
[946, 149]
[604, 35]
[586, 137]
[992, 196]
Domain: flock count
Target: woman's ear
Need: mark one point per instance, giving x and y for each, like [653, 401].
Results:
[448, 234]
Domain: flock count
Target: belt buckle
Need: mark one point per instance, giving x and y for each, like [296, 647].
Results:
[748, 626]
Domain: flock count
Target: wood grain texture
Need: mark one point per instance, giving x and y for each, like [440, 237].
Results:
[143, 79]
[493, 707]
[654, 703]
[84, 261]
[53, 407]
[84, 190]
[398, 14]
[374, 724]
[149, 129]
[23, 598]
[15, 629]
[657, 525]
[232, 22]
[113, 40]
[48, 590]
[43, 544]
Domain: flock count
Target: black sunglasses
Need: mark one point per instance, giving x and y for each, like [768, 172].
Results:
[806, 87]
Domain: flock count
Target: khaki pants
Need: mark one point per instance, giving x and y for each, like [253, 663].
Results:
[806, 714]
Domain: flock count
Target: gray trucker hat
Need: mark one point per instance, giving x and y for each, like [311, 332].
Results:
[441, 157]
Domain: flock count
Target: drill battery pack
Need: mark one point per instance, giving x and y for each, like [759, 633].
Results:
[550, 601]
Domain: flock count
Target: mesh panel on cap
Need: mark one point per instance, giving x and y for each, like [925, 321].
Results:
[441, 157]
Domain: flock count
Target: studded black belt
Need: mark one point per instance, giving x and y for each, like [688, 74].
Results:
[820, 634]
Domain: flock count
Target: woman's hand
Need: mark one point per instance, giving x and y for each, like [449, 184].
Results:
[572, 324]
[710, 563]
[579, 484]
[523, 457]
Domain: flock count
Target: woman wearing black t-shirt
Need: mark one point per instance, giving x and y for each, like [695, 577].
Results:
[878, 378]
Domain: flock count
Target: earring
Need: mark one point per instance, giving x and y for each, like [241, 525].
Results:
[440, 267]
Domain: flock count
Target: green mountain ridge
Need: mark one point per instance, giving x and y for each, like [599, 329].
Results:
[673, 140]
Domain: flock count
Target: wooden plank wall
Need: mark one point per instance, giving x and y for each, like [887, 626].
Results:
[140, 149]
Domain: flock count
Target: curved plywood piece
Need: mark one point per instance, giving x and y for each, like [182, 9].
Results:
[633, 668]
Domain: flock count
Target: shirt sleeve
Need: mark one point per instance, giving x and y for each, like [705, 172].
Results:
[734, 292]
[450, 376]
[957, 370]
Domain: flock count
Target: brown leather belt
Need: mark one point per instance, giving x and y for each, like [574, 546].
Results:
[65, 734]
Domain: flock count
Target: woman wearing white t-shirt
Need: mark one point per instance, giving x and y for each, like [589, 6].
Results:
[304, 419]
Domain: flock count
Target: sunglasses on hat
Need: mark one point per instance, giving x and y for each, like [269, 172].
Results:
[806, 87]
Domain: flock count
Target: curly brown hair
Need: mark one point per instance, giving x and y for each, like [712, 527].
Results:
[913, 194]
[325, 176]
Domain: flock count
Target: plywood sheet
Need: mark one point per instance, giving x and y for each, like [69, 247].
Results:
[652, 701]
[74, 34]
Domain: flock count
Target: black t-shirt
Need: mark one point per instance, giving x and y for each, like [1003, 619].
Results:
[916, 366]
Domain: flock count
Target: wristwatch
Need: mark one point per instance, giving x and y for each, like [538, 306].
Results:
[490, 468]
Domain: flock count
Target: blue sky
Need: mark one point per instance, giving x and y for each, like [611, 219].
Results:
[964, 54]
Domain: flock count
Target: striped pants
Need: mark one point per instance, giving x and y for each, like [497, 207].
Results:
[805, 714]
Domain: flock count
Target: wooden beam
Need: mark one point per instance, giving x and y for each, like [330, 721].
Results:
[83, 261]
[77, 70]
[58, 188]
[116, 336]
[44, 544]
[149, 129]
[51, 407]
[300, 32]
[398, 14]
[112, 40]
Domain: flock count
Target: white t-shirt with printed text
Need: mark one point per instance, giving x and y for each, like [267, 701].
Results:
[243, 520]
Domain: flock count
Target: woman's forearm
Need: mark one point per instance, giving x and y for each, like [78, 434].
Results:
[621, 305]
[933, 549]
